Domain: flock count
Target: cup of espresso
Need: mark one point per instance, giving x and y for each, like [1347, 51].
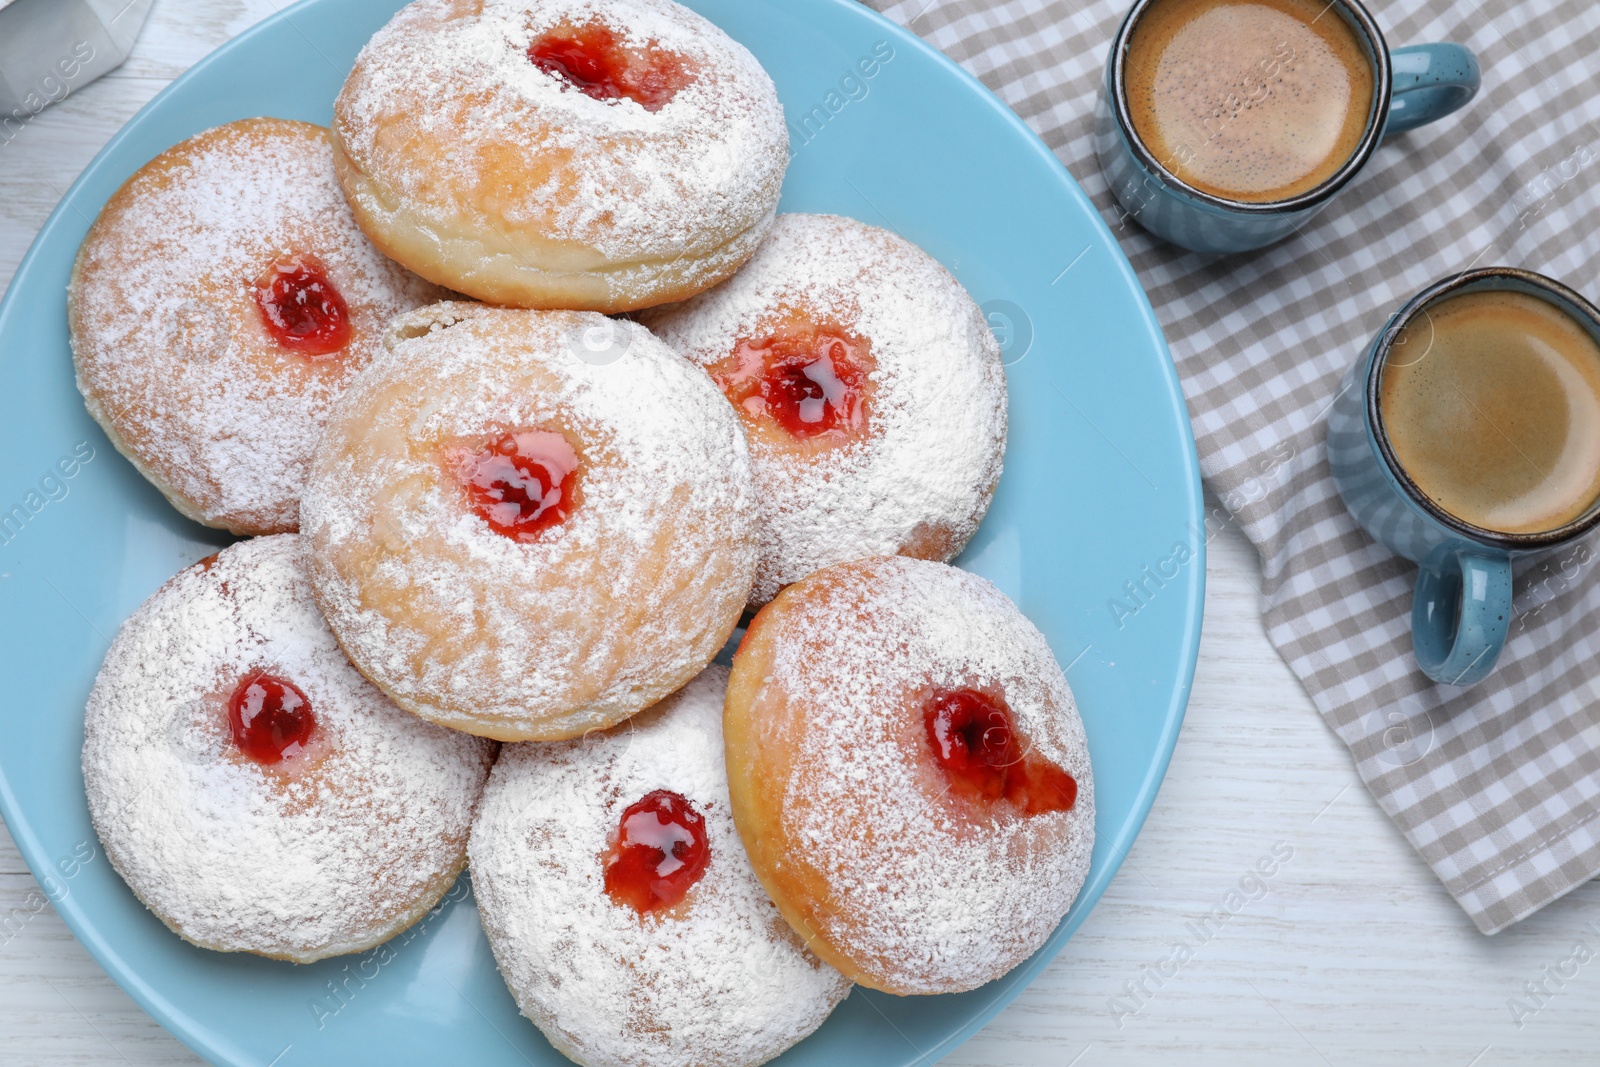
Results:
[1224, 125]
[1467, 438]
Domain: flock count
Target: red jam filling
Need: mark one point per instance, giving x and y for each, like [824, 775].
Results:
[521, 483]
[975, 743]
[591, 60]
[270, 716]
[811, 381]
[661, 851]
[301, 307]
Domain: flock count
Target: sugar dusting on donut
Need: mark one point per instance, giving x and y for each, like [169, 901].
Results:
[171, 353]
[635, 184]
[921, 479]
[718, 981]
[930, 894]
[599, 616]
[296, 860]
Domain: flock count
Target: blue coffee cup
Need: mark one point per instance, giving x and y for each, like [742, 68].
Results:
[1411, 86]
[1461, 608]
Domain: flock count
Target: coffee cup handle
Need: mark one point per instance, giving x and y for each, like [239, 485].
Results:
[1460, 613]
[1430, 81]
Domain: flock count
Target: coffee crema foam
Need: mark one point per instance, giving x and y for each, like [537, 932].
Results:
[1491, 404]
[1252, 100]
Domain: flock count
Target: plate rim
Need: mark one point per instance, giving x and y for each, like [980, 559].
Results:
[200, 1038]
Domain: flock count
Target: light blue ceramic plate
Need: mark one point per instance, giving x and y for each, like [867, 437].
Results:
[1101, 490]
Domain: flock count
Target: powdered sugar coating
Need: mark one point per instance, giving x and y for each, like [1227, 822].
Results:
[919, 482]
[172, 355]
[332, 851]
[717, 981]
[904, 884]
[602, 615]
[450, 129]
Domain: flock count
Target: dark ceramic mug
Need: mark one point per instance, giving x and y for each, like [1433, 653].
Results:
[1411, 86]
[1461, 608]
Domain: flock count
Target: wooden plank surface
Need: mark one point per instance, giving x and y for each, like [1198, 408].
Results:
[1349, 953]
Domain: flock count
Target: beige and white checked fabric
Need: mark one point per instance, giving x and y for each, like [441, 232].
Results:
[1498, 787]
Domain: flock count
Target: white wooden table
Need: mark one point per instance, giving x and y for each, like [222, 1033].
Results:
[1354, 955]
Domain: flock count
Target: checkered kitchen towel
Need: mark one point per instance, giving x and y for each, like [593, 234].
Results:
[1498, 787]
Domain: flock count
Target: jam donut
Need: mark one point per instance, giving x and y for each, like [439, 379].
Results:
[517, 537]
[596, 154]
[620, 905]
[869, 385]
[218, 306]
[908, 773]
[253, 790]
